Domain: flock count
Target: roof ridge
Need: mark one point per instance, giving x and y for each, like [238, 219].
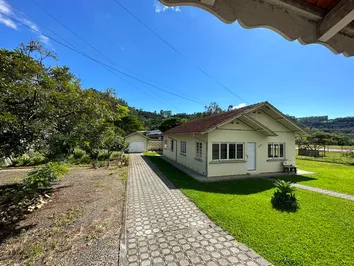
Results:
[233, 110]
[213, 119]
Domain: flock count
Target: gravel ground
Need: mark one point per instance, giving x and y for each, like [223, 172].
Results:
[79, 225]
[12, 175]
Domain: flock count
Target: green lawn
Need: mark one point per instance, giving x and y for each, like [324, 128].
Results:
[332, 176]
[319, 233]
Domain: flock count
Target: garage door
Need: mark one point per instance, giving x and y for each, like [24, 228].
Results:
[137, 146]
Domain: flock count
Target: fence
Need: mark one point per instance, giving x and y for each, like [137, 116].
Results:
[154, 145]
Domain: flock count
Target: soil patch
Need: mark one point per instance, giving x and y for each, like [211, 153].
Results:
[79, 224]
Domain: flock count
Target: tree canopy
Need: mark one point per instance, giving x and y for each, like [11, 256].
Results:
[171, 122]
[46, 108]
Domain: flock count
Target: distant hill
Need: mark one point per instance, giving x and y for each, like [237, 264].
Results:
[339, 125]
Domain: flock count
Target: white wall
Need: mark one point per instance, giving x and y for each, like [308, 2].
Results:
[240, 132]
[167, 148]
[189, 159]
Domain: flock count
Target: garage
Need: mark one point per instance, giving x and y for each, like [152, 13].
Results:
[137, 141]
[137, 146]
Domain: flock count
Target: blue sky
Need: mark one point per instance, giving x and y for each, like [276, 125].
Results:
[258, 64]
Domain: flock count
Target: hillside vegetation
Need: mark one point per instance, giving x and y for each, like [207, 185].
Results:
[338, 125]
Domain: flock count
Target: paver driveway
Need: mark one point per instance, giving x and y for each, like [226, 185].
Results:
[163, 227]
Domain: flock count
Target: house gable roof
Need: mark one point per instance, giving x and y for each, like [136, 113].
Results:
[210, 123]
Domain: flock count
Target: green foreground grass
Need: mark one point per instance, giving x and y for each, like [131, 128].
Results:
[331, 176]
[319, 233]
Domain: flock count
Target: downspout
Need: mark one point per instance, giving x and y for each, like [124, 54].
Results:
[206, 153]
[175, 149]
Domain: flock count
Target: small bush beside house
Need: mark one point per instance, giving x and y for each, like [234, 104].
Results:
[284, 198]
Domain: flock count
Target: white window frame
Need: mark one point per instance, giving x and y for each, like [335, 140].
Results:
[273, 150]
[183, 147]
[228, 151]
[199, 150]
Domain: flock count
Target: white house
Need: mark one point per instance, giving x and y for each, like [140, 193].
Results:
[251, 140]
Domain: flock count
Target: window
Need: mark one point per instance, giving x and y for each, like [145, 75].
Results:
[227, 151]
[172, 148]
[165, 145]
[183, 147]
[216, 149]
[232, 151]
[239, 151]
[199, 150]
[223, 151]
[276, 150]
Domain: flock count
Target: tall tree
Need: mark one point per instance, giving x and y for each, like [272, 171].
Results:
[171, 122]
[45, 108]
[212, 109]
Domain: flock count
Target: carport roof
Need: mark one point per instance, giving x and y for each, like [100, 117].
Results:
[327, 22]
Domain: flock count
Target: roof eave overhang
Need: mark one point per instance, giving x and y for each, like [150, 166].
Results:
[232, 118]
[282, 119]
[257, 126]
[292, 19]
[183, 133]
[136, 133]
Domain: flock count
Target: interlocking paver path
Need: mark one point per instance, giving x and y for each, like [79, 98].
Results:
[326, 192]
[163, 227]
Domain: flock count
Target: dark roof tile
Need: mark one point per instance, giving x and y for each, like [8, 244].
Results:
[206, 123]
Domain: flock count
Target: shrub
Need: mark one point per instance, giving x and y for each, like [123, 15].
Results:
[78, 153]
[21, 160]
[71, 159]
[284, 198]
[101, 164]
[102, 155]
[94, 153]
[125, 160]
[115, 155]
[17, 161]
[42, 176]
[33, 158]
[36, 158]
[85, 159]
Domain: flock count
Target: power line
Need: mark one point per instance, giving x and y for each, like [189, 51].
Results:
[77, 35]
[179, 53]
[99, 62]
[25, 14]
[66, 41]
[149, 94]
[93, 47]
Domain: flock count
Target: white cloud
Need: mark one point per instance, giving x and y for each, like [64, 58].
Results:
[162, 8]
[35, 29]
[239, 106]
[7, 22]
[8, 10]
[5, 8]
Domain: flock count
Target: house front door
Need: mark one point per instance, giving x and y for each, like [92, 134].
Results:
[251, 156]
